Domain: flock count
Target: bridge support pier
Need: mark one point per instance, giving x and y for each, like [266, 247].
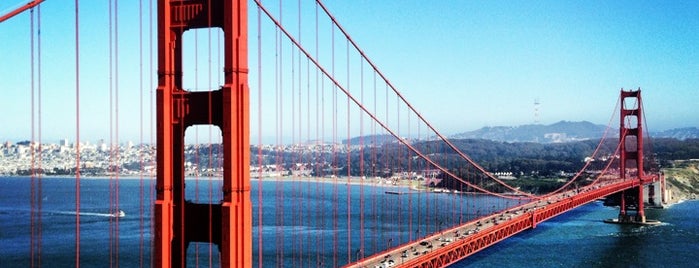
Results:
[629, 209]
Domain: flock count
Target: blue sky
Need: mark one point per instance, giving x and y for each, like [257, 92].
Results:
[462, 64]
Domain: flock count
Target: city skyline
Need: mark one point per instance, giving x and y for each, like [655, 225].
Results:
[492, 60]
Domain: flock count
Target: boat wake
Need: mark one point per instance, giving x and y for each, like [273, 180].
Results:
[119, 214]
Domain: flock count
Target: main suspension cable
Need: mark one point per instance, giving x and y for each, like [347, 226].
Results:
[410, 106]
[337, 85]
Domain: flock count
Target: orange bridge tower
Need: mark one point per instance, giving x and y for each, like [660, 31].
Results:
[178, 221]
[631, 156]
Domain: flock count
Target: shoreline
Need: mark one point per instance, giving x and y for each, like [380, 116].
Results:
[354, 181]
[329, 180]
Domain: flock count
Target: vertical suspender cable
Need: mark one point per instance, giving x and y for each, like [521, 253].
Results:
[111, 138]
[293, 158]
[320, 136]
[362, 174]
[279, 130]
[429, 200]
[210, 122]
[387, 165]
[399, 167]
[140, 135]
[424, 175]
[39, 186]
[280, 145]
[322, 168]
[349, 166]
[309, 158]
[32, 187]
[374, 165]
[116, 147]
[453, 199]
[77, 135]
[197, 147]
[116, 129]
[259, 147]
[335, 160]
[320, 111]
[299, 156]
[151, 116]
[276, 147]
[212, 166]
[461, 201]
[296, 186]
[111, 132]
[259, 138]
[410, 182]
[301, 151]
[293, 184]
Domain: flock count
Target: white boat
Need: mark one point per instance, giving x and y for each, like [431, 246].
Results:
[119, 214]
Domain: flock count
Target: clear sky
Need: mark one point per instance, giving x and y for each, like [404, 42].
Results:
[463, 64]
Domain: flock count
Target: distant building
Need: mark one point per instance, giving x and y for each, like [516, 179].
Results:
[102, 146]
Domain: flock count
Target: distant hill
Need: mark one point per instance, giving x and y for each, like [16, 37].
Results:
[678, 133]
[377, 140]
[562, 131]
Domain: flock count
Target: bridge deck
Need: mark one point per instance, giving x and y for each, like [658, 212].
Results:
[462, 241]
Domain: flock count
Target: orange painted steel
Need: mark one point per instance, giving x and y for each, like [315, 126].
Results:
[178, 221]
[463, 248]
[631, 152]
[629, 179]
[20, 9]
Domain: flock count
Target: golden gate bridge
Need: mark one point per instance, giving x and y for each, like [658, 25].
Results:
[306, 74]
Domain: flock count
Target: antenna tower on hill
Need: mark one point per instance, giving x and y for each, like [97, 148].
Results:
[536, 110]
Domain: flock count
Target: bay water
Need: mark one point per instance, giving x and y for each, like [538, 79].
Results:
[302, 233]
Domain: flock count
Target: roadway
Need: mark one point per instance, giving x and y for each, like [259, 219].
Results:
[526, 214]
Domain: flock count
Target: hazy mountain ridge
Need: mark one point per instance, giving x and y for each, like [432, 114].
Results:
[678, 133]
[563, 131]
[378, 139]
